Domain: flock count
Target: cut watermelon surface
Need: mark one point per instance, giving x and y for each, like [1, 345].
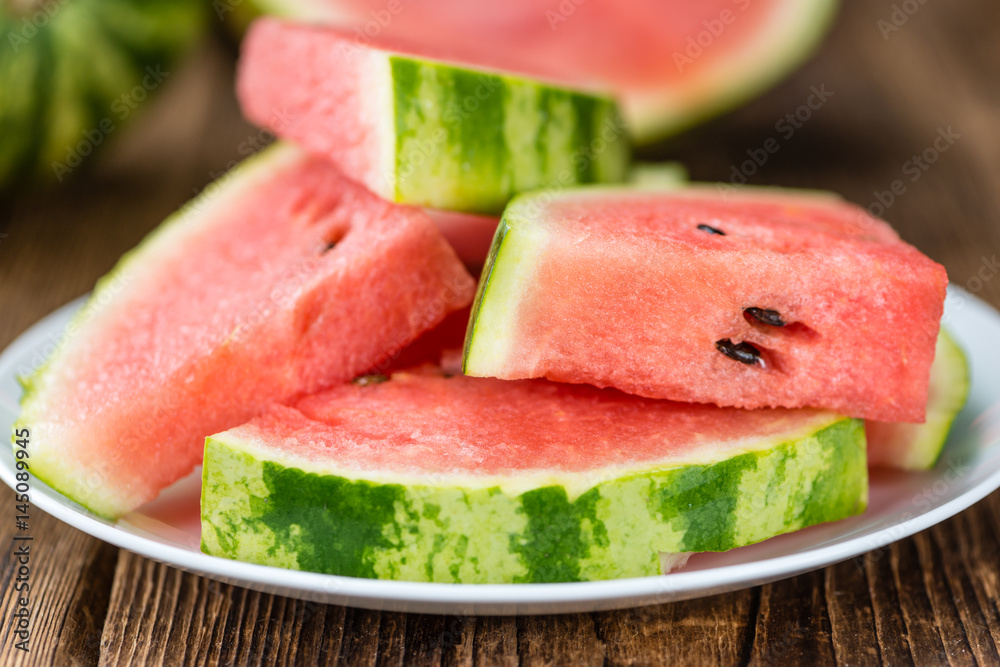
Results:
[918, 446]
[279, 280]
[760, 298]
[415, 129]
[424, 477]
[669, 62]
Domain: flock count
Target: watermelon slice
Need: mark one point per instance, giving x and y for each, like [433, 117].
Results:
[423, 477]
[281, 279]
[918, 446]
[758, 298]
[669, 62]
[415, 129]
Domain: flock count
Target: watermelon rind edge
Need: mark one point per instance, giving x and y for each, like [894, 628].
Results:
[257, 506]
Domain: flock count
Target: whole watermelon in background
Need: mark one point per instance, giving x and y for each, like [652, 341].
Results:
[760, 298]
[415, 128]
[670, 63]
[281, 279]
[425, 477]
[73, 72]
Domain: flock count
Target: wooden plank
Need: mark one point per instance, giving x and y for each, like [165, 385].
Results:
[793, 625]
[496, 642]
[852, 620]
[894, 646]
[713, 630]
[68, 582]
[554, 640]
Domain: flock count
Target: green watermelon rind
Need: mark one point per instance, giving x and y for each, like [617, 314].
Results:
[919, 446]
[265, 506]
[50, 466]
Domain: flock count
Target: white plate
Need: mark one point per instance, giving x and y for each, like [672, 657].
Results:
[167, 530]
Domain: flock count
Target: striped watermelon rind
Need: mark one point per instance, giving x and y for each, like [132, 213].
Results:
[69, 69]
[265, 506]
[523, 136]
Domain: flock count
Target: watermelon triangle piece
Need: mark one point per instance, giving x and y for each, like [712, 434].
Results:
[670, 63]
[280, 279]
[750, 298]
[428, 477]
[415, 128]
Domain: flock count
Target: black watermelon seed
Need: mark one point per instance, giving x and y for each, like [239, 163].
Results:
[771, 318]
[745, 353]
[711, 230]
[367, 380]
[327, 247]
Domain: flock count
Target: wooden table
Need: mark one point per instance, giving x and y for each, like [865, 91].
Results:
[933, 598]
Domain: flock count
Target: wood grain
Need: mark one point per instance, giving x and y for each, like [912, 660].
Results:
[931, 599]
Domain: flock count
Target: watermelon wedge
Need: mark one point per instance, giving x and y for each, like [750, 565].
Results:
[282, 278]
[918, 446]
[669, 62]
[424, 477]
[758, 298]
[415, 129]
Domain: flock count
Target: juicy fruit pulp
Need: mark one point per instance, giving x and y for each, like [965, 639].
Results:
[669, 62]
[281, 279]
[418, 130]
[423, 477]
[763, 298]
[918, 446]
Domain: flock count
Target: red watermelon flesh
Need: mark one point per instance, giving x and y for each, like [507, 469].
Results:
[668, 61]
[441, 346]
[280, 280]
[469, 234]
[655, 294]
[421, 409]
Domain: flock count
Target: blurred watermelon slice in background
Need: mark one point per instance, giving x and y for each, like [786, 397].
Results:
[670, 62]
[73, 72]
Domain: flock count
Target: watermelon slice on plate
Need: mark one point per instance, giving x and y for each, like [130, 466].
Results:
[415, 128]
[918, 446]
[669, 62]
[282, 278]
[426, 477]
[755, 298]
